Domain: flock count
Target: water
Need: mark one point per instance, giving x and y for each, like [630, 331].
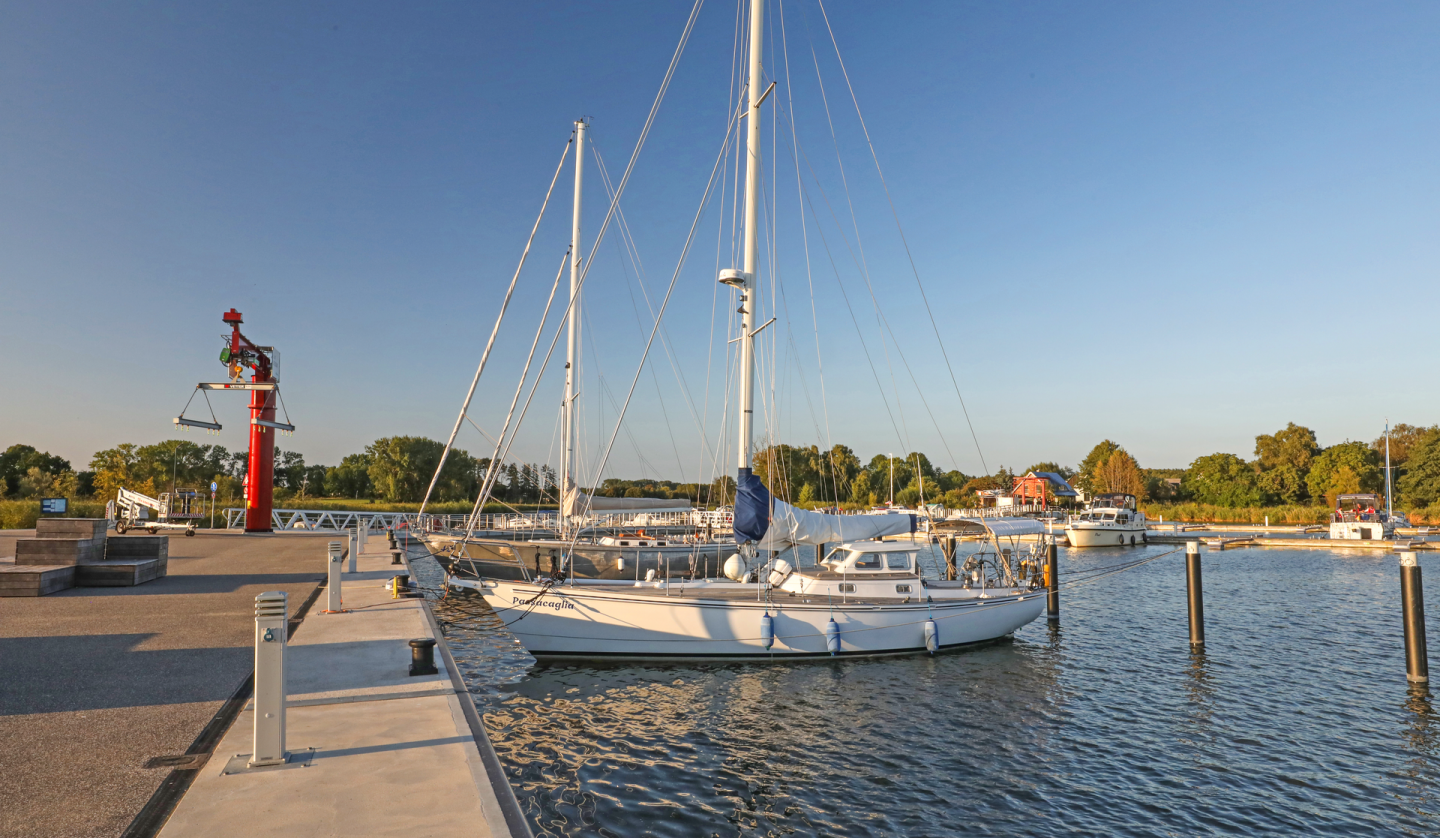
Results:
[1297, 719]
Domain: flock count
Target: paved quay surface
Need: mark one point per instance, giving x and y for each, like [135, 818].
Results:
[392, 754]
[97, 681]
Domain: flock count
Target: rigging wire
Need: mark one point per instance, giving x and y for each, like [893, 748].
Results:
[490, 344]
[894, 212]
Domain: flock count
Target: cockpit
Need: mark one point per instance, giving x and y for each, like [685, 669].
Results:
[872, 557]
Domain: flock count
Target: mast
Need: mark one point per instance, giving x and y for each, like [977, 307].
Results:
[752, 235]
[572, 334]
[1389, 513]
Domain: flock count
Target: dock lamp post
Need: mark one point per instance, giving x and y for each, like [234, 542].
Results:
[271, 610]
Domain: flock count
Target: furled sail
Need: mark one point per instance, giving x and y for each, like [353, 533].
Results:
[775, 524]
[579, 503]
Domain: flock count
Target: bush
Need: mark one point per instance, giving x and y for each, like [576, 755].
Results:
[22, 514]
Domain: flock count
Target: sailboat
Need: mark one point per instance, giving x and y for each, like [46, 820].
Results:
[592, 554]
[868, 596]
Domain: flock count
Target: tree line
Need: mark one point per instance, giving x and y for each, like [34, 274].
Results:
[1289, 468]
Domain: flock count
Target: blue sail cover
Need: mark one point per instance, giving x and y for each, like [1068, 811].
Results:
[752, 508]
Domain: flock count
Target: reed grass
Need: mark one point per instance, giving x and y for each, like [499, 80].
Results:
[22, 514]
[1204, 513]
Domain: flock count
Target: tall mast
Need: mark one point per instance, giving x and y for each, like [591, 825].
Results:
[572, 334]
[1389, 513]
[747, 282]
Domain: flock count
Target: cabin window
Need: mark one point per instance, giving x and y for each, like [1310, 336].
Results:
[847, 588]
[902, 589]
[624, 544]
[898, 561]
[868, 561]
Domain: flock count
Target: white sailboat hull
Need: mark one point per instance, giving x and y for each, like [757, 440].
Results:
[591, 621]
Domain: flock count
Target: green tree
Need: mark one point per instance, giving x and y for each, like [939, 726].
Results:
[1085, 477]
[1284, 484]
[1223, 480]
[38, 483]
[401, 468]
[114, 467]
[1347, 467]
[1053, 468]
[1404, 439]
[350, 479]
[1420, 485]
[1119, 473]
[1293, 446]
[17, 460]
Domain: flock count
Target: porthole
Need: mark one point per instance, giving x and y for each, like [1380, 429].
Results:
[902, 589]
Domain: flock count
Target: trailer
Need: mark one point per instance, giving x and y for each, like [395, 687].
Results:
[176, 510]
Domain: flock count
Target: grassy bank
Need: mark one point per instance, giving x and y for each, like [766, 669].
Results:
[1203, 513]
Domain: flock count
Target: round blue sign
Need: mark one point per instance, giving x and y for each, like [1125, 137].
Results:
[214, 486]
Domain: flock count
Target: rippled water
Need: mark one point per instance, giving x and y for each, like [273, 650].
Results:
[1297, 720]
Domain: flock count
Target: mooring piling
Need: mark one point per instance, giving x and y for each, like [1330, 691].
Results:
[947, 547]
[1412, 603]
[271, 611]
[1195, 595]
[1052, 583]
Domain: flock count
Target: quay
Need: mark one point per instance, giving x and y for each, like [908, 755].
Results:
[123, 708]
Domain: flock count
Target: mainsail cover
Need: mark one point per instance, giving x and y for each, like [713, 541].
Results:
[775, 524]
[578, 503]
[791, 525]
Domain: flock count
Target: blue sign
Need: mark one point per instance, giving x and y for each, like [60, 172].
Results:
[54, 506]
[214, 486]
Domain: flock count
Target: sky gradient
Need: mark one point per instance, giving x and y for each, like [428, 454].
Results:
[1176, 226]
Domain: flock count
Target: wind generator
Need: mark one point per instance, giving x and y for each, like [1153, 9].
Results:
[238, 355]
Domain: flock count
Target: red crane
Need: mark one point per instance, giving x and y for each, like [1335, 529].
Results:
[239, 355]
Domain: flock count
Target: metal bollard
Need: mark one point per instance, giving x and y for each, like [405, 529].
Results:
[334, 603]
[1052, 583]
[390, 535]
[395, 556]
[1412, 603]
[400, 586]
[271, 610]
[354, 546]
[1195, 595]
[422, 657]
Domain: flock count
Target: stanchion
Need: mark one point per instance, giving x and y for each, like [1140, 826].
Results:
[271, 610]
[1052, 583]
[1195, 595]
[1412, 603]
[334, 603]
[819, 553]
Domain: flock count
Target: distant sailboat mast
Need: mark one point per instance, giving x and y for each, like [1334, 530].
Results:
[572, 337]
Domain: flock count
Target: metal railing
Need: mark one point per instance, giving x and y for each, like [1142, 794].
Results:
[517, 522]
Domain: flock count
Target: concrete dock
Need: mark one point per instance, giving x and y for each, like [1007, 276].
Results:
[117, 701]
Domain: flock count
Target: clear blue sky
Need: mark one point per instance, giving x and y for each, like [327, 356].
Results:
[1173, 225]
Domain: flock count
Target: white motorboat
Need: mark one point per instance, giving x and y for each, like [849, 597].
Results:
[1361, 517]
[868, 597]
[1110, 520]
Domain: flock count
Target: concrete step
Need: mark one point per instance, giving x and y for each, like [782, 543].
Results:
[121, 574]
[123, 547]
[54, 551]
[35, 580]
[70, 528]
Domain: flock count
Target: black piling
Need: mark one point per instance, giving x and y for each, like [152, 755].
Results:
[1412, 603]
[1195, 595]
[1052, 583]
[947, 546]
